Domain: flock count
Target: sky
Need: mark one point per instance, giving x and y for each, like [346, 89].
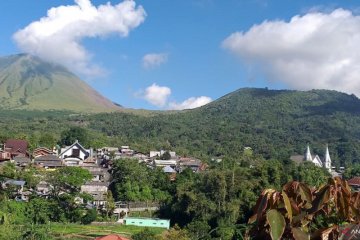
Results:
[181, 54]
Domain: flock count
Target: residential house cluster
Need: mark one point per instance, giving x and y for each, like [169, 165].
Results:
[98, 162]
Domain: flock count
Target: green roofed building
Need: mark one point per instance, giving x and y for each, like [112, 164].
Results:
[147, 222]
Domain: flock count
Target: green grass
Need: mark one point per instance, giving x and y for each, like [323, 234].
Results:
[78, 231]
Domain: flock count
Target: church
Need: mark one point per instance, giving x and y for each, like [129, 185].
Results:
[326, 163]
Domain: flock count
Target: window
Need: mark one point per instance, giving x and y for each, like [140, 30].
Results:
[76, 152]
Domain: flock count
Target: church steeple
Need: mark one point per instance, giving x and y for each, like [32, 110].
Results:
[327, 159]
[308, 156]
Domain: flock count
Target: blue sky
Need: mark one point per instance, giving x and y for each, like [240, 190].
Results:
[189, 47]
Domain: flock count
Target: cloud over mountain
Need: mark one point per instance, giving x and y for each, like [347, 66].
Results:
[159, 97]
[57, 37]
[190, 103]
[316, 50]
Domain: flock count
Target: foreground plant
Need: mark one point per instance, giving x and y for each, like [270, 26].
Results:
[299, 212]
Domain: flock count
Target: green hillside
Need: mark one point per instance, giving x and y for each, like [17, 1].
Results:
[27, 82]
[275, 123]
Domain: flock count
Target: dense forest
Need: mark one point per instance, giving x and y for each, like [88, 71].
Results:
[274, 123]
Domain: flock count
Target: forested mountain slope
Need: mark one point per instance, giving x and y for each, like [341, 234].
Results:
[275, 123]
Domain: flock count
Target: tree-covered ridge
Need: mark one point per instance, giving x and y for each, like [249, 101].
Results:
[274, 123]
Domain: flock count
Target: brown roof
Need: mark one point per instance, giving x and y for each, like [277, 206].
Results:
[111, 237]
[42, 151]
[355, 181]
[49, 157]
[48, 161]
[17, 145]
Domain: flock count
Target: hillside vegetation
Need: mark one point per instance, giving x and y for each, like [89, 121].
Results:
[275, 123]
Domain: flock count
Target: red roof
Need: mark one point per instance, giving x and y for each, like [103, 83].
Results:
[355, 181]
[111, 237]
[16, 146]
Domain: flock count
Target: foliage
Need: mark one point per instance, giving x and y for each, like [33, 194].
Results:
[69, 136]
[175, 233]
[89, 217]
[166, 156]
[145, 234]
[299, 212]
[136, 182]
[68, 179]
[273, 123]
[310, 174]
[352, 171]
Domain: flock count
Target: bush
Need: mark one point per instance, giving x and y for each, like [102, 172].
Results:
[89, 217]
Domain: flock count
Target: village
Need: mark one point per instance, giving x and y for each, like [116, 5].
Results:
[99, 163]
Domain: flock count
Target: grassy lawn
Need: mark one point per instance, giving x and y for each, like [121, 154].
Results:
[77, 231]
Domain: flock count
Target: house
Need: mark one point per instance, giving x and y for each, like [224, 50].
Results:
[147, 222]
[75, 154]
[42, 151]
[21, 161]
[5, 156]
[154, 154]
[168, 169]
[49, 161]
[98, 190]
[354, 183]
[16, 148]
[125, 150]
[43, 188]
[17, 188]
[99, 174]
[194, 164]
[163, 163]
[19, 184]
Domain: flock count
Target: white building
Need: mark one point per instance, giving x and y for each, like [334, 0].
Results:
[75, 154]
[316, 159]
[160, 153]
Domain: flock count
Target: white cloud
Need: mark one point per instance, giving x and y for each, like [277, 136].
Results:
[190, 103]
[157, 95]
[57, 37]
[316, 50]
[152, 60]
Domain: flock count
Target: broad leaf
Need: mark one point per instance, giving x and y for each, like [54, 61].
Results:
[287, 205]
[299, 234]
[277, 224]
[321, 198]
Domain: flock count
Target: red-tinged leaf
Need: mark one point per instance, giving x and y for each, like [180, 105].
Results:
[257, 205]
[274, 199]
[299, 234]
[291, 188]
[261, 206]
[331, 233]
[321, 198]
[294, 207]
[298, 218]
[277, 224]
[305, 193]
[287, 205]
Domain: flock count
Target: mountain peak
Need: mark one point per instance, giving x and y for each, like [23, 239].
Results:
[28, 82]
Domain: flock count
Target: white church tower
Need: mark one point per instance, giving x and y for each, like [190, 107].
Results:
[327, 159]
[308, 156]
